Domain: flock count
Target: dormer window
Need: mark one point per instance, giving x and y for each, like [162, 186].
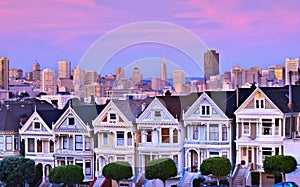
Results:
[71, 121]
[112, 117]
[36, 125]
[259, 103]
[157, 114]
[205, 110]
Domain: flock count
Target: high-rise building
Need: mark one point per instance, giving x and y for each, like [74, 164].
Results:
[78, 79]
[64, 69]
[36, 71]
[15, 73]
[163, 73]
[237, 76]
[91, 76]
[211, 64]
[49, 83]
[120, 73]
[252, 75]
[293, 66]
[136, 76]
[179, 81]
[4, 73]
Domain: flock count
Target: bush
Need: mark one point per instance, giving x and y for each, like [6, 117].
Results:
[278, 178]
[198, 181]
[255, 178]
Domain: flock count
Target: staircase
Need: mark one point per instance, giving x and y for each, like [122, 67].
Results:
[238, 180]
[188, 180]
[141, 181]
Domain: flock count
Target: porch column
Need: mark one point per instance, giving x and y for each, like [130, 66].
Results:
[198, 164]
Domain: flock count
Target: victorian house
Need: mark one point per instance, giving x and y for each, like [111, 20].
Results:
[74, 138]
[210, 125]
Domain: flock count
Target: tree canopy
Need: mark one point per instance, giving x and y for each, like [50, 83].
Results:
[217, 166]
[117, 171]
[69, 174]
[162, 169]
[280, 164]
[17, 170]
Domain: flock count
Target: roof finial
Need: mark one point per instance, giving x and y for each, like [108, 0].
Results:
[70, 104]
[34, 108]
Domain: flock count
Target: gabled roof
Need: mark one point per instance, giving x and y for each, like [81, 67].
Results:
[176, 104]
[50, 116]
[225, 100]
[88, 113]
[243, 94]
[280, 97]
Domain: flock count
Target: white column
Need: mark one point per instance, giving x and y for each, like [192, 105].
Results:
[144, 136]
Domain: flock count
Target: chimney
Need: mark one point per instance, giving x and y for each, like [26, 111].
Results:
[290, 104]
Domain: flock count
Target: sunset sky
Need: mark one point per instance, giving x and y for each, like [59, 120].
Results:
[254, 33]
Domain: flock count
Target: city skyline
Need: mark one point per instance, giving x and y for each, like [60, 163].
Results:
[253, 33]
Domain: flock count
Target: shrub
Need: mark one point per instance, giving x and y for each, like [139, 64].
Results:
[255, 178]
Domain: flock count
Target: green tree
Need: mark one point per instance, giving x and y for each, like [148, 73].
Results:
[38, 175]
[69, 174]
[217, 166]
[17, 170]
[162, 169]
[117, 171]
[278, 164]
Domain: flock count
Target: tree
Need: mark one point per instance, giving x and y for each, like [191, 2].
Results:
[162, 168]
[69, 174]
[117, 171]
[278, 164]
[38, 175]
[217, 166]
[17, 170]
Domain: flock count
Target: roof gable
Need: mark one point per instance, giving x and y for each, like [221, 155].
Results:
[35, 125]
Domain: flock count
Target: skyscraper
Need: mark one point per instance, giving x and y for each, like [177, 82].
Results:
[179, 81]
[120, 73]
[163, 73]
[78, 79]
[293, 66]
[211, 64]
[36, 71]
[49, 84]
[4, 71]
[64, 69]
[136, 76]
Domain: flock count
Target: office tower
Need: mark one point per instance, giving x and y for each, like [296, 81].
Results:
[237, 76]
[293, 66]
[211, 64]
[280, 75]
[252, 75]
[120, 73]
[15, 73]
[64, 69]
[155, 83]
[49, 84]
[136, 76]
[28, 75]
[4, 73]
[36, 71]
[91, 76]
[179, 81]
[78, 79]
[163, 73]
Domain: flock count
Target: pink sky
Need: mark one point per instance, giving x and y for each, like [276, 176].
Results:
[256, 33]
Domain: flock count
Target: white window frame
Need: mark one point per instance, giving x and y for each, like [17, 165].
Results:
[1, 143]
[36, 122]
[110, 117]
[157, 114]
[105, 141]
[33, 144]
[264, 128]
[120, 141]
[211, 138]
[87, 143]
[88, 171]
[205, 110]
[259, 103]
[8, 143]
[69, 118]
[78, 142]
[243, 124]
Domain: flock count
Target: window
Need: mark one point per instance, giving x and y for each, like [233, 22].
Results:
[203, 136]
[195, 132]
[88, 170]
[71, 121]
[149, 138]
[224, 154]
[214, 132]
[120, 138]
[277, 122]
[175, 159]
[165, 135]
[39, 145]
[120, 158]
[79, 162]
[266, 151]
[65, 142]
[157, 114]
[16, 142]
[129, 139]
[205, 110]
[8, 143]
[105, 139]
[70, 143]
[259, 103]
[87, 143]
[175, 136]
[1, 143]
[246, 128]
[213, 154]
[51, 146]
[78, 142]
[267, 127]
[112, 118]
[37, 125]
[224, 133]
[31, 145]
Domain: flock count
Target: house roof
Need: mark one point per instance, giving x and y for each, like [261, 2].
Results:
[225, 100]
[50, 116]
[280, 97]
